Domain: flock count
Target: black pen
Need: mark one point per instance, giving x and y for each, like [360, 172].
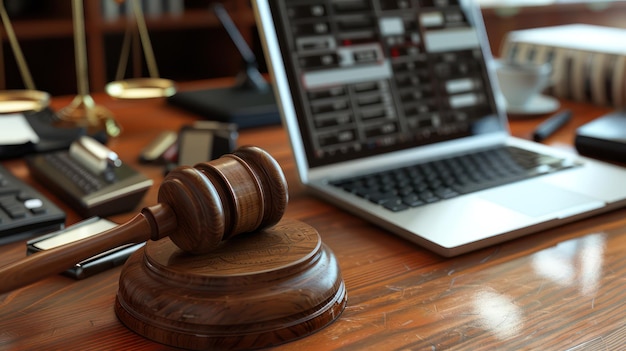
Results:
[551, 125]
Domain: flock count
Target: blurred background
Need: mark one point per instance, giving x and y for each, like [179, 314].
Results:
[190, 43]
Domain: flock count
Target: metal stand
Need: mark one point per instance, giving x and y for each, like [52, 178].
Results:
[83, 111]
[139, 88]
[13, 101]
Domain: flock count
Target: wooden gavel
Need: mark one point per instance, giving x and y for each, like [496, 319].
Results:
[198, 208]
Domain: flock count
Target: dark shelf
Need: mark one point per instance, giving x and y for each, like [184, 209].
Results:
[188, 46]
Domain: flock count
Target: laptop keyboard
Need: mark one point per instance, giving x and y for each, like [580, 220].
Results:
[412, 186]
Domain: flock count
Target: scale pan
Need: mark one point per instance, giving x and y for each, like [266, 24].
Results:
[14, 101]
[141, 88]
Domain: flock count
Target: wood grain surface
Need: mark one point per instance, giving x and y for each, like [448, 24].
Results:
[559, 289]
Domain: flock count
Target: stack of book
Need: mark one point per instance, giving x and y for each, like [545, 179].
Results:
[113, 10]
[588, 61]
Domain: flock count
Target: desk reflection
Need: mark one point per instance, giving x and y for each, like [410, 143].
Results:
[573, 263]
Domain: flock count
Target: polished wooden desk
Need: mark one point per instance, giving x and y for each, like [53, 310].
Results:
[559, 289]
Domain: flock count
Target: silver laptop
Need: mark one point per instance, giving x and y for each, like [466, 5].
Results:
[393, 114]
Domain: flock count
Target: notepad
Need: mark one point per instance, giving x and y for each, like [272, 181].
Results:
[15, 130]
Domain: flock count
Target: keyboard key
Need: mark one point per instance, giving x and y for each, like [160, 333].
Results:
[39, 210]
[33, 203]
[16, 212]
[395, 206]
[7, 188]
[412, 200]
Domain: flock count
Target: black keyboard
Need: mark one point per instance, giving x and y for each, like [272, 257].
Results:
[24, 211]
[416, 185]
[76, 173]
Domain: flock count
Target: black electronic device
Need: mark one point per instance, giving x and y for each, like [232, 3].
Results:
[249, 103]
[90, 178]
[200, 142]
[604, 137]
[25, 212]
[204, 141]
[51, 137]
[84, 229]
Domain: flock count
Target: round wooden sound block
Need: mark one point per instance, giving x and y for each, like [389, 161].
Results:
[255, 290]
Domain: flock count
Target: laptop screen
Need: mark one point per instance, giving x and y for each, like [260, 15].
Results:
[374, 76]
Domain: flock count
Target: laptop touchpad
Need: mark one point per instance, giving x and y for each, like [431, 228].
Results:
[535, 198]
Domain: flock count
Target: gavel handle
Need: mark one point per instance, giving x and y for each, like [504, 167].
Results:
[46, 263]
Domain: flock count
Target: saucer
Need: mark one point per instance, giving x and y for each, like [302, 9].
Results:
[538, 105]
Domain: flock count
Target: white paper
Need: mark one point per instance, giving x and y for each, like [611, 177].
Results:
[15, 130]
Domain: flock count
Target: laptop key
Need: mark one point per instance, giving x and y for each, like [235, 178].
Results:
[405, 190]
[395, 206]
[446, 193]
[412, 200]
[381, 198]
[428, 197]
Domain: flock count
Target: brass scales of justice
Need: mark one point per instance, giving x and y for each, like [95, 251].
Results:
[221, 269]
[83, 111]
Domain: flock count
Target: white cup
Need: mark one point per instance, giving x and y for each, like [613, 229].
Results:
[520, 82]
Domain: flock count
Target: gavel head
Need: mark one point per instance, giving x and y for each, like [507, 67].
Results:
[236, 193]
